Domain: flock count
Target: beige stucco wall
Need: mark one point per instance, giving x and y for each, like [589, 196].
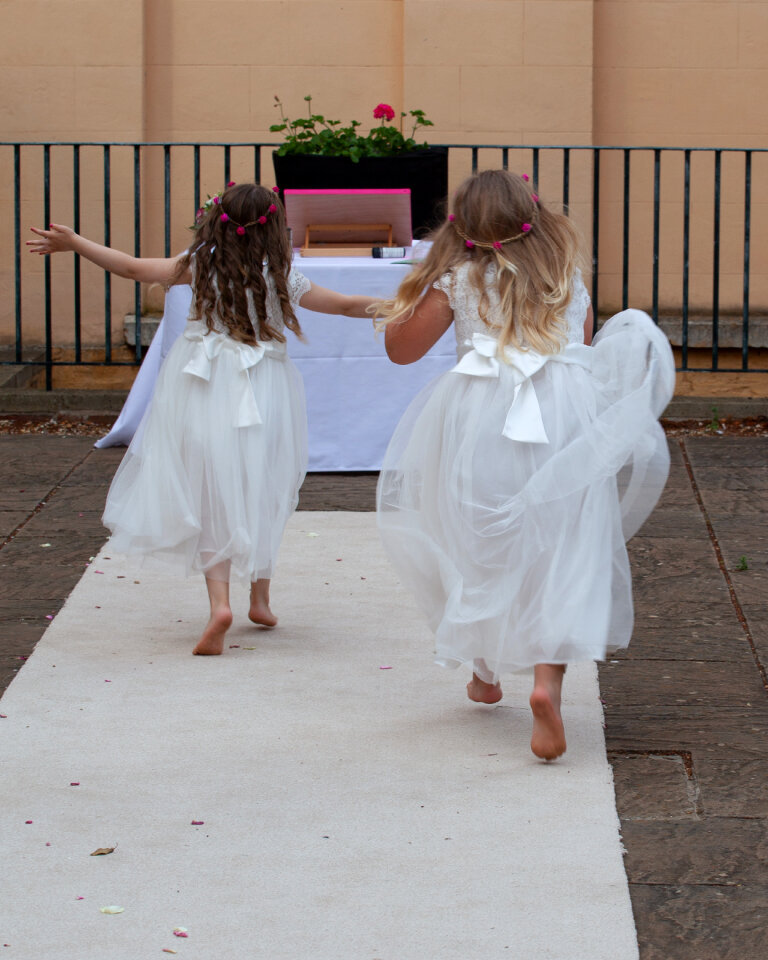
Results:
[482, 69]
[485, 71]
[71, 69]
[681, 72]
[690, 73]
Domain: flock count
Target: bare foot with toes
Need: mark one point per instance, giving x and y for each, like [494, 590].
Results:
[260, 612]
[548, 739]
[211, 644]
[482, 692]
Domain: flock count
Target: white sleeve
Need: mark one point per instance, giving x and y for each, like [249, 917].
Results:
[298, 285]
[445, 283]
[580, 297]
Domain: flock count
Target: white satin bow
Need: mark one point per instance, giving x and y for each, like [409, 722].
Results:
[209, 344]
[524, 422]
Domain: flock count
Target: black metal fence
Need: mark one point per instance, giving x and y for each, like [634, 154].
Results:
[694, 269]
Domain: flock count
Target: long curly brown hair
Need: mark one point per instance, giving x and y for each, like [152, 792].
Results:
[228, 258]
[534, 267]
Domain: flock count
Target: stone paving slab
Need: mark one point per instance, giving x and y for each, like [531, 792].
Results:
[721, 851]
[728, 504]
[731, 787]
[684, 519]
[10, 520]
[687, 683]
[722, 482]
[714, 732]
[727, 452]
[701, 921]
[740, 537]
[677, 567]
[757, 619]
[653, 787]
[687, 630]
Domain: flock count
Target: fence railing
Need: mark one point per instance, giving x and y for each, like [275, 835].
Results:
[670, 230]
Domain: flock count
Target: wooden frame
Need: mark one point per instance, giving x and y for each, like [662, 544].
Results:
[349, 222]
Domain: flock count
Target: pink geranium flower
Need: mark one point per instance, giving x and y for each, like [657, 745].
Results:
[383, 112]
[313, 134]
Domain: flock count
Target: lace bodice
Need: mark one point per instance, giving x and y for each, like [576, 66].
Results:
[465, 302]
[298, 285]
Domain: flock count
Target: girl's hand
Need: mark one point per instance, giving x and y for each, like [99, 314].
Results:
[140, 269]
[54, 240]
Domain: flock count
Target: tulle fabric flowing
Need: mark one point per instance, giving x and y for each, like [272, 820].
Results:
[213, 473]
[509, 489]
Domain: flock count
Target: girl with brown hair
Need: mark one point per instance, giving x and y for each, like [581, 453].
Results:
[513, 480]
[213, 473]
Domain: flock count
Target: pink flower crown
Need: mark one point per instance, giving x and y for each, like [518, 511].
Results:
[525, 229]
[241, 228]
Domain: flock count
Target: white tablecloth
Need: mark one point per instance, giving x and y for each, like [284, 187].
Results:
[355, 394]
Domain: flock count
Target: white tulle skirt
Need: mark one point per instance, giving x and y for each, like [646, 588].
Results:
[214, 470]
[509, 489]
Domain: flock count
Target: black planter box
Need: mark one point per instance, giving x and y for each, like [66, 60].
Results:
[424, 172]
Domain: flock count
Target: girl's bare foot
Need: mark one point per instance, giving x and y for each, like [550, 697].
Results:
[211, 644]
[548, 738]
[260, 612]
[482, 692]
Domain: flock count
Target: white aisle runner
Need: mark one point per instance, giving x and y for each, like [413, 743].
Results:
[349, 812]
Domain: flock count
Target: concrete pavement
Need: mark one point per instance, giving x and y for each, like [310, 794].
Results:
[320, 791]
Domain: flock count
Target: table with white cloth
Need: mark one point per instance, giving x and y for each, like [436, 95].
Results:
[355, 394]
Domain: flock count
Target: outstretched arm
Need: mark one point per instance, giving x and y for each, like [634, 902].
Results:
[144, 269]
[408, 340]
[322, 300]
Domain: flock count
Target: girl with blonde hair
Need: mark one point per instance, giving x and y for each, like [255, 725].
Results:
[513, 481]
[213, 472]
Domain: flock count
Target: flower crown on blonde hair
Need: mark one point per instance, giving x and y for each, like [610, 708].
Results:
[525, 229]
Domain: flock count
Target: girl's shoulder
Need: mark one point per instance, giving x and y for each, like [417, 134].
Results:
[457, 284]
[296, 282]
[454, 282]
[298, 285]
[579, 293]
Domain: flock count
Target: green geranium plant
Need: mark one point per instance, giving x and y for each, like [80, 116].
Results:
[314, 134]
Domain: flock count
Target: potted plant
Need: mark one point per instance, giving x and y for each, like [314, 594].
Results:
[324, 154]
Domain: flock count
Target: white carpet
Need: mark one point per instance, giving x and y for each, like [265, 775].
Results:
[350, 812]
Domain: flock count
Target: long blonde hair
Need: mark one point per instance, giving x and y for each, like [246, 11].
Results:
[497, 221]
[229, 263]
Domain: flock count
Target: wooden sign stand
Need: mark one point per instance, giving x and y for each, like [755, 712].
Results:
[332, 225]
[344, 248]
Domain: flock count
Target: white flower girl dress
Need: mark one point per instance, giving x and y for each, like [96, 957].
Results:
[213, 472]
[511, 484]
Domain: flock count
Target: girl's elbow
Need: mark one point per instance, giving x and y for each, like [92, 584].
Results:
[391, 348]
[399, 356]
[131, 271]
